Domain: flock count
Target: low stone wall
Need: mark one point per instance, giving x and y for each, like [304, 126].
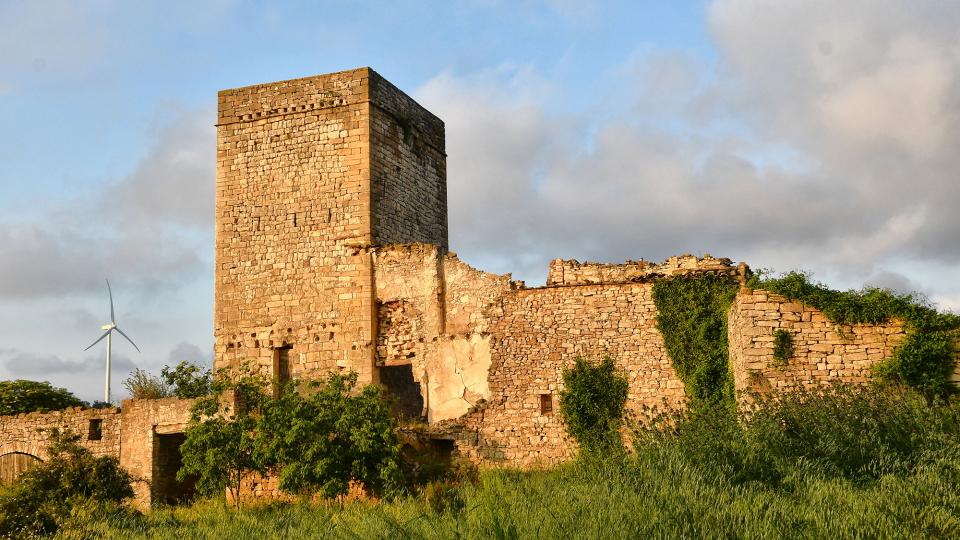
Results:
[99, 431]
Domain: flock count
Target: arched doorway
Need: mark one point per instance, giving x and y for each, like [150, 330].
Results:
[14, 464]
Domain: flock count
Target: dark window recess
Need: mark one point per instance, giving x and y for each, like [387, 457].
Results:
[294, 218]
[400, 385]
[95, 430]
[546, 404]
[281, 367]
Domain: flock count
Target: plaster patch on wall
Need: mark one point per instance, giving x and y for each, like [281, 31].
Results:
[457, 376]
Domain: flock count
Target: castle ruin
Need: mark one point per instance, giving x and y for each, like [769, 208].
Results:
[332, 254]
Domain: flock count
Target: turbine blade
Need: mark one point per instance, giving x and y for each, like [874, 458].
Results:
[99, 339]
[128, 339]
[111, 302]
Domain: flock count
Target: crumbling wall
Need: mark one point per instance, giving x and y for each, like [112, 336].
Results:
[823, 351]
[143, 422]
[541, 332]
[99, 431]
[572, 272]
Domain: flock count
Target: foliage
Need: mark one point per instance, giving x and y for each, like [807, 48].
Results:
[923, 361]
[857, 433]
[219, 444]
[44, 497]
[708, 476]
[142, 385]
[592, 405]
[326, 436]
[692, 318]
[22, 396]
[782, 346]
[188, 380]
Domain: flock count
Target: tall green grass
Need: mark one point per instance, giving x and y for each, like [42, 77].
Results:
[844, 463]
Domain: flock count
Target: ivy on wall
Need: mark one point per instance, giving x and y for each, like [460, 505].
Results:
[692, 318]
[923, 361]
[782, 346]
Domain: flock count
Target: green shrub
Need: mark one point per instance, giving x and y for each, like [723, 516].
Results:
[219, 445]
[591, 405]
[782, 346]
[44, 497]
[925, 359]
[327, 435]
[188, 380]
[692, 318]
[22, 396]
[142, 385]
[857, 433]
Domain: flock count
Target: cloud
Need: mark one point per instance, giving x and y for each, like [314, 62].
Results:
[188, 352]
[151, 229]
[27, 365]
[823, 138]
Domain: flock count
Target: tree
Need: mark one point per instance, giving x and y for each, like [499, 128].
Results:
[327, 436]
[42, 498]
[143, 385]
[188, 380]
[592, 404]
[22, 396]
[219, 443]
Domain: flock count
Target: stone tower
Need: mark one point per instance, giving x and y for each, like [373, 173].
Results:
[312, 173]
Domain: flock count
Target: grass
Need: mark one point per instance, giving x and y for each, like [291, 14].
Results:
[811, 465]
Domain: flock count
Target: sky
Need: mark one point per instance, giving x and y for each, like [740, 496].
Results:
[814, 135]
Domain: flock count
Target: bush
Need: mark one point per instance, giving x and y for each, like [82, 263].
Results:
[44, 497]
[22, 396]
[188, 380]
[855, 433]
[782, 346]
[592, 405]
[219, 445]
[692, 318]
[142, 385]
[327, 436]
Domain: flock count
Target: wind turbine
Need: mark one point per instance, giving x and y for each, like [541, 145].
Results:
[109, 331]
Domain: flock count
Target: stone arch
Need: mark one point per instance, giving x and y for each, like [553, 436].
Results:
[35, 449]
[15, 459]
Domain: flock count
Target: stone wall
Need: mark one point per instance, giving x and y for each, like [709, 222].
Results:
[408, 169]
[824, 352]
[573, 272]
[541, 332]
[99, 431]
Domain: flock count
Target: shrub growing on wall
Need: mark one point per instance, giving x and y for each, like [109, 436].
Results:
[782, 346]
[692, 318]
[188, 380]
[592, 404]
[143, 385]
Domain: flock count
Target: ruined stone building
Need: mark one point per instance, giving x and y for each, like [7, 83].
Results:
[332, 254]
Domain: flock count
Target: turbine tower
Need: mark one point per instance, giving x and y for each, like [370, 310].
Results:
[110, 327]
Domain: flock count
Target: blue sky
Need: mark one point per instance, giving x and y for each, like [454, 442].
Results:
[815, 135]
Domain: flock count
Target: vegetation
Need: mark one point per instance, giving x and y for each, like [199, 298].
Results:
[219, 445]
[44, 498]
[592, 405]
[844, 463]
[142, 385]
[782, 346]
[924, 360]
[326, 436]
[692, 317]
[188, 380]
[22, 396]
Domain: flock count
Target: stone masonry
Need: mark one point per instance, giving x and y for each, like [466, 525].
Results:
[332, 254]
